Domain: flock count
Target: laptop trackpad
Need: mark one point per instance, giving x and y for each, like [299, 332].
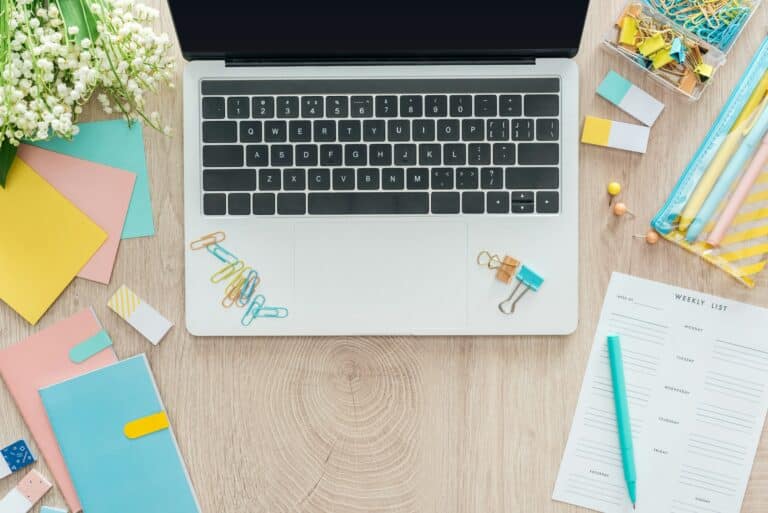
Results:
[364, 277]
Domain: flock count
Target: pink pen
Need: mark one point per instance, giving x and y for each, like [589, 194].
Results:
[740, 194]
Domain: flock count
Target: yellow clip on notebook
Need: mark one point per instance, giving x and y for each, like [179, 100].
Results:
[44, 242]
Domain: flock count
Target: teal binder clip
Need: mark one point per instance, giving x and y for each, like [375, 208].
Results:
[527, 277]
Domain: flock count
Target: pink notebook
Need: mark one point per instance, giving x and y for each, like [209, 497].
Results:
[68, 349]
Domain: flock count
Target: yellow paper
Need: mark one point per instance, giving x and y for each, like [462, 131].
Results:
[44, 242]
[596, 131]
[652, 45]
[628, 31]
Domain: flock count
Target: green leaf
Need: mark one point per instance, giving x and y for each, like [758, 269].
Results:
[7, 154]
[77, 13]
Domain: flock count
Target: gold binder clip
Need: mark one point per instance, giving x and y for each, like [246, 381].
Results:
[207, 240]
[505, 268]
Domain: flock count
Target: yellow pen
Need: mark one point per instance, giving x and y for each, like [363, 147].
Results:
[753, 101]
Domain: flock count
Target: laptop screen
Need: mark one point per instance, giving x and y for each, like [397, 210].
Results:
[342, 29]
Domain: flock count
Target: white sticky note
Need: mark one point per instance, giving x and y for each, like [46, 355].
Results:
[630, 98]
[145, 319]
[615, 134]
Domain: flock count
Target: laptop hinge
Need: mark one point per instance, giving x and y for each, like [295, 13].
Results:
[376, 62]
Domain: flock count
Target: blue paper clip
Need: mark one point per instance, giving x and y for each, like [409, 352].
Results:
[525, 276]
[222, 254]
[257, 309]
[252, 280]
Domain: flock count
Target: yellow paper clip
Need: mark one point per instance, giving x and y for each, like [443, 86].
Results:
[227, 271]
[652, 45]
[207, 240]
[234, 288]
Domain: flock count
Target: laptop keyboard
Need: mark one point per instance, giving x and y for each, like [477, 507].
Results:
[378, 147]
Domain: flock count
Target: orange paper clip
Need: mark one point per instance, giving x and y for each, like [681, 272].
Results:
[207, 240]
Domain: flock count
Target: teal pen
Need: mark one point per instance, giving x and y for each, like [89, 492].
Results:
[622, 416]
[754, 134]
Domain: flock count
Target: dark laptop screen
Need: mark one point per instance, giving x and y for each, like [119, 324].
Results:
[338, 29]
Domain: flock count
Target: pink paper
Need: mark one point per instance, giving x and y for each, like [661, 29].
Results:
[100, 192]
[42, 360]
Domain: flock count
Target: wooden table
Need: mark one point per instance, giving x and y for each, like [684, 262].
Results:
[401, 424]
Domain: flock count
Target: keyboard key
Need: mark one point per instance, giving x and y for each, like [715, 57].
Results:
[547, 202]
[542, 105]
[219, 131]
[392, 178]
[510, 105]
[448, 130]
[362, 106]
[374, 130]
[522, 208]
[319, 179]
[461, 105]
[473, 129]
[442, 178]
[430, 154]
[264, 204]
[466, 178]
[300, 131]
[411, 106]
[306, 155]
[250, 131]
[485, 106]
[324, 131]
[238, 108]
[269, 179]
[355, 155]
[281, 155]
[399, 130]
[336, 107]
[330, 154]
[503, 154]
[263, 107]
[538, 153]
[287, 106]
[445, 202]
[522, 130]
[473, 202]
[215, 204]
[405, 154]
[547, 129]
[213, 108]
[339, 203]
[380, 154]
[424, 130]
[294, 180]
[257, 155]
[275, 131]
[229, 180]
[522, 196]
[239, 204]
[343, 179]
[454, 154]
[291, 203]
[492, 178]
[312, 107]
[479, 154]
[349, 131]
[532, 178]
[498, 203]
[437, 106]
[386, 106]
[418, 178]
[498, 130]
[368, 179]
[222, 156]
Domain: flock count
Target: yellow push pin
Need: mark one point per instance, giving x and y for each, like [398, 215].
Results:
[619, 209]
[614, 188]
[651, 237]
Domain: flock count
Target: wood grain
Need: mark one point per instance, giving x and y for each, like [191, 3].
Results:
[406, 425]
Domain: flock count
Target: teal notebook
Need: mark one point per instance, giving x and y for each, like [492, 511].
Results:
[114, 435]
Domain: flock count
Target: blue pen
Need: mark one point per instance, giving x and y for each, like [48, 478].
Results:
[753, 135]
[622, 416]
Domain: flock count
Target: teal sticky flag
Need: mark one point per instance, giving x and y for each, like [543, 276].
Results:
[112, 143]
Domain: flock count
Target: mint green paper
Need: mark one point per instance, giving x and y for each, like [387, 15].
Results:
[614, 87]
[84, 350]
[113, 144]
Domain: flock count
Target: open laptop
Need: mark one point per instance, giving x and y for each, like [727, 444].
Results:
[359, 157]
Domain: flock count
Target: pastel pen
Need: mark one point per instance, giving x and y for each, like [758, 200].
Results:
[753, 134]
[622, 416]
[754, 99]
[739, 195]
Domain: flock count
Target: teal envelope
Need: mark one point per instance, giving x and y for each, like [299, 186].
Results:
[112, 471]
[112, 143]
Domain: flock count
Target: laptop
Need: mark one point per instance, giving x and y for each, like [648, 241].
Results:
[359, 158]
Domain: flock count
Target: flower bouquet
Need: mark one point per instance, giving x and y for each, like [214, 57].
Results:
[54, 54]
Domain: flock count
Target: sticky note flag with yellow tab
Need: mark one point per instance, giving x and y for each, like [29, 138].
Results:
[46, 240]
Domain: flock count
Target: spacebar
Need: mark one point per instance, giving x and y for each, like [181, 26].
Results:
[338, 203]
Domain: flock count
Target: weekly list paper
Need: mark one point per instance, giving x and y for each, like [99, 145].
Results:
[696, 371]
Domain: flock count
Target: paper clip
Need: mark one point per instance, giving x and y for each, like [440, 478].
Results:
[227, 271]
[257, 309]
[207, 240]
[234, 289]
[252, 281]
[221, 253]
[527, 277]
[489, 260]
